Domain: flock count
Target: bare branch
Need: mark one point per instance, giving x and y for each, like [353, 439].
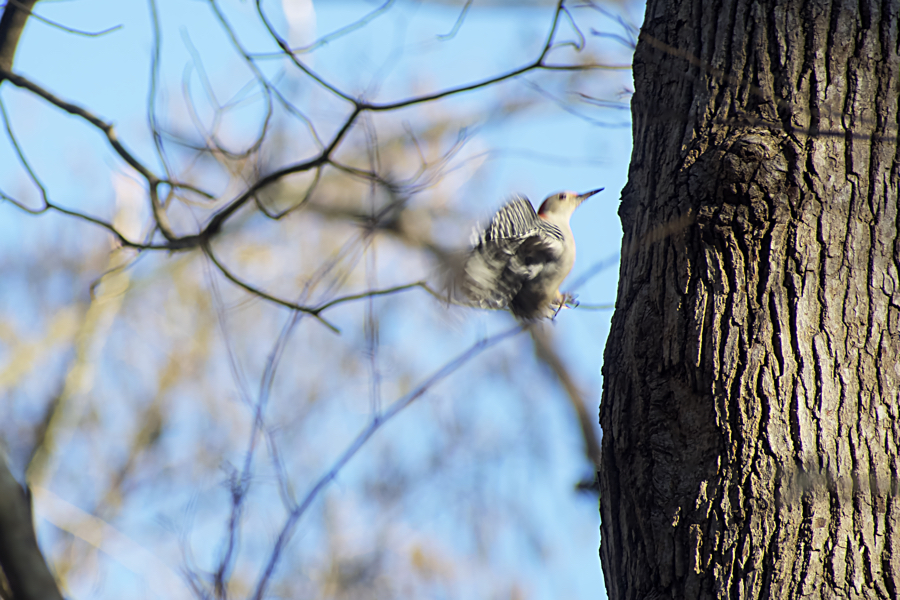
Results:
[73, 109]
[586, 67]
[458, 24]
[22, 159]
[611, 306]
[25, 6]
[449, 92]
[546, 352]
[631, 30]
[260, 78]
[207, 248]
[84, 217]
[536, 64]
[215, 223]
[178, 185]
[563, 105]
[316, 310]
[373, 293]
[287, 52]
[601, 265]
[548, 45]
[341, 32]
[377, 421]
[238, 484]
[579, 45]
[304, 200]
[219, 218]
[22, 206]
[12, 23]
[159, 211]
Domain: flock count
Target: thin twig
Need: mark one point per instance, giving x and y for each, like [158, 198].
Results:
[306, 196]
[22, 159]
[610, 306]
[562, 104]
[373, 293]
[207, 248]
[73, 109]
[377, 421]
[287, 52]
[238, 486]
[316, 310]
[45, 20]
[338, 33]
[156, 206]
[324, 157]
[359, 107]
[601, 265]
[260, 78]
[456, 26]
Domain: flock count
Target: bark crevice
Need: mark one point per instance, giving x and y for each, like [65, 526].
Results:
[751, 377]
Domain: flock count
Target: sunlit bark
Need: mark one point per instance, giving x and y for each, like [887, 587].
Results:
[750, 406]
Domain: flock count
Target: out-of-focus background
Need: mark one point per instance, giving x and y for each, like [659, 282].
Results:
[171, 423]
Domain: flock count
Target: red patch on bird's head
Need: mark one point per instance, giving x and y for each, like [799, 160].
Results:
[543, 209]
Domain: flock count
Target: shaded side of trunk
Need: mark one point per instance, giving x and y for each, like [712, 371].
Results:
[750, 409]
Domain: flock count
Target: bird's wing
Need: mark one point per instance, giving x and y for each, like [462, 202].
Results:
[509, 252]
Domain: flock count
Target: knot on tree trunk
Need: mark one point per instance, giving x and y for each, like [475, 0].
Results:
[740, 184]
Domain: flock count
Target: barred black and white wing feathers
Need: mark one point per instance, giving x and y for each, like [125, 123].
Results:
[510, 254]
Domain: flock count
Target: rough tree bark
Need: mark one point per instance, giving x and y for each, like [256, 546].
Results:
[750, 405]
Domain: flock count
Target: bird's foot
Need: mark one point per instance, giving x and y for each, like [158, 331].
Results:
[570, 300]
[563, 300]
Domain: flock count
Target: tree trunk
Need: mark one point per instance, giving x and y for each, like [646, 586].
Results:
[750, 408]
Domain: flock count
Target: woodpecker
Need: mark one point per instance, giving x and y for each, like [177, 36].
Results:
[519, 261]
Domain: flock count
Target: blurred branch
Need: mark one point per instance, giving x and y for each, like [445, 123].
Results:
[629, 39]
[282, 43]
[22, 158]
[359, 107]
[84, 217]
[260, 78]
[23, 565]
[314, 311]
[601, 265]
[373, 293]
[579, 45]
[93, 328]
[377, 421]
[109, 131]
[207, 248]
[155, 61]
[26, 6]
[545, 351]
[306, 196]
[338, 33]
[458, 24]
[563, 105]
[215, 223]
[596, 306]
[12, 23]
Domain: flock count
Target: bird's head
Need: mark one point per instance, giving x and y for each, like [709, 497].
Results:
[564, 204]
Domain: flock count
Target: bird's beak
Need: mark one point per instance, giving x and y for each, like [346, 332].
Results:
[586, 195]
